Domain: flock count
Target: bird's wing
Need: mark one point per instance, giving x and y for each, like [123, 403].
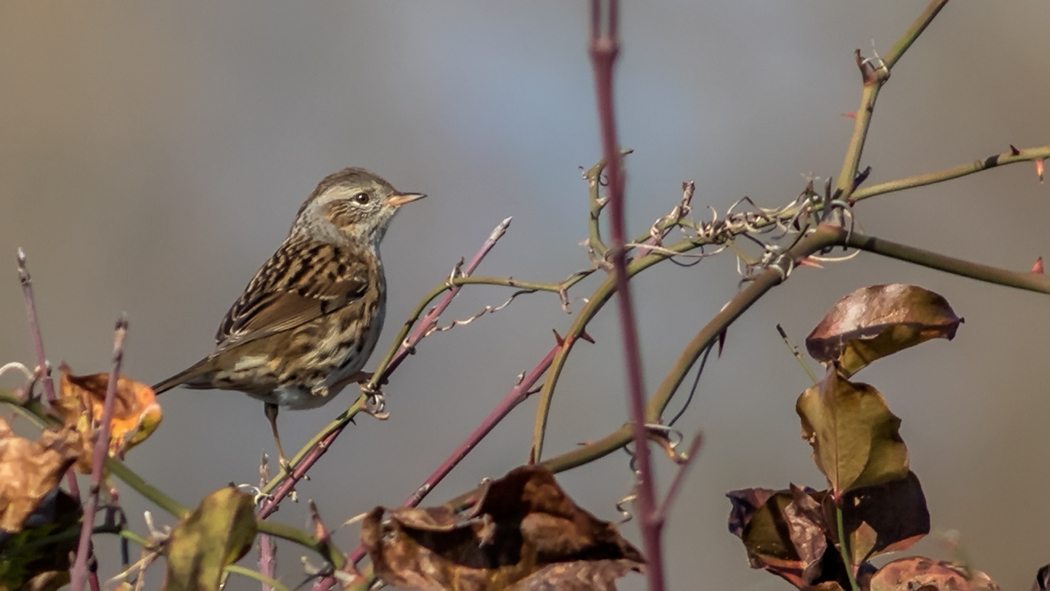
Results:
[300, 283]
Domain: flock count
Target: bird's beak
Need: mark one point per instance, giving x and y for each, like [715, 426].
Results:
[399, 199]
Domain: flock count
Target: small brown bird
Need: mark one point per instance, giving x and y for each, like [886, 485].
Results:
[309, 319]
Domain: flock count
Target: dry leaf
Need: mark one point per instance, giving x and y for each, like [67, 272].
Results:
[136, 413]
[31, 469]
[879, 320]
[919, 572]
[27, 561]
[519, 530]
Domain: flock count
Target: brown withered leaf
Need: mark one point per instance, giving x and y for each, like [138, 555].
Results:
[29, 562]
[895, 513]
[219, 532]
[519, 530]
[855, 438]
[924, 574]
[746, 502]
[1042, 579]
[581, 575]
[136, 413]
[29, 470]
[879, 320]
[785, 533]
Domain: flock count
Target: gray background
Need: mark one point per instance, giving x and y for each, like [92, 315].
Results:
[152, 156]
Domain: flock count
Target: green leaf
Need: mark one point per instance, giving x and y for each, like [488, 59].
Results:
[218, 532]
[854, 435]
[877, 321]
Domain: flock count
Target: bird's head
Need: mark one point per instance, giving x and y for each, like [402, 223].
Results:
[350, 206]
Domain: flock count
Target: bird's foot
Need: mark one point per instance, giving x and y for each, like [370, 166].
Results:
[375, 404]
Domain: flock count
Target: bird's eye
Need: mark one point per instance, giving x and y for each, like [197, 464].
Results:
[362, 198]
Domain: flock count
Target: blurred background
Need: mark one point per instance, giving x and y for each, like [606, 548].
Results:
[152, 156]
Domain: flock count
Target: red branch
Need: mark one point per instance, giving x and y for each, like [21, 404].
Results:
[80, 568]
[604, 49]
[417, 335]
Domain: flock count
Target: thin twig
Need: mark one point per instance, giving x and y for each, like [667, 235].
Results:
[284, 482]
[672, 491]
[267, 548]
[34, 327]
[516, 396]
[797, 354]
[80, 568]
[422, 328]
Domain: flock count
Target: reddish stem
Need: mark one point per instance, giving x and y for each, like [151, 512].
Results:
[417, 335]
[604, 49]
[516, 396]
[80, 568]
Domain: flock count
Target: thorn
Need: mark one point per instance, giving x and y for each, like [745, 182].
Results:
[861, 177]
[721, 343]
[1014, 151]
[1039, 169]
[809, 262]
[1038, 266]
[320, 532]
[558, 339]
[850, 115]
[587, 337]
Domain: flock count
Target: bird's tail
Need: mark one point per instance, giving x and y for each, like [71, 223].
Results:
[183, 377]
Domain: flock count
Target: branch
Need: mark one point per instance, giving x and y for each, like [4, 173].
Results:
[822, 237]
[285, 482]
[604, 49]
[875, 73]
[1025, 280]
[34, 327]
[1012, 157]
[101, 451]
[516, 396]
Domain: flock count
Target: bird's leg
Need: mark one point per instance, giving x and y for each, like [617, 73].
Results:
[271, 414]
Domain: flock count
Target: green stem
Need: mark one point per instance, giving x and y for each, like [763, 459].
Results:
[1023, 155]
[1025, 280]
[136, 482]
[844, 549]
[822, 237]
[326, 549]
[247, 572]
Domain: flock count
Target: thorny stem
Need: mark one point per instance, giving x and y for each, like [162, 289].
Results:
[516, 396]
[824, 236]
[1012, 157]
[38, 345]
[101, 451]
[594, 183]
[404, 344]
[875, 73]
[268, 582]
[604, 49]
[267, 548]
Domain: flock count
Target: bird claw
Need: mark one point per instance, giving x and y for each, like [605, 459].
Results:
[375, 405]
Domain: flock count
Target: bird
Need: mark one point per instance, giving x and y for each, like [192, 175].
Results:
[307, 322]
